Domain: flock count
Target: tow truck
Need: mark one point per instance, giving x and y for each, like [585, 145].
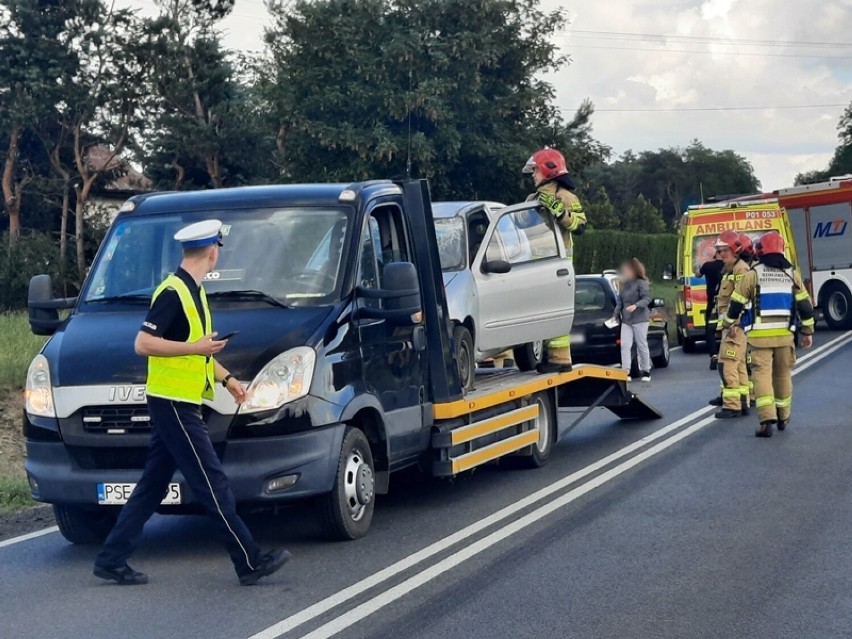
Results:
[345, 345]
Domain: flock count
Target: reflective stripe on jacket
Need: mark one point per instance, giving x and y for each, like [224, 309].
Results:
[186, 378]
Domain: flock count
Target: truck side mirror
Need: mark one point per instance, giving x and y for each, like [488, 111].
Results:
[497, 267]
[400, 292]
[668, 272]
[43, 307]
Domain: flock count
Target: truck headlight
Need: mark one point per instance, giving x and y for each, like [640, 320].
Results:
[284, 379]
[39, 394]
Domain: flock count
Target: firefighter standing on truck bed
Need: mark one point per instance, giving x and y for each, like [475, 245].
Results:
[178, 339]
[732, 347]
[555, 191]
[771, 300]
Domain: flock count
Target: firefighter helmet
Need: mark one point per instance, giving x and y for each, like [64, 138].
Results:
[730, 239]
[746, 246]
[771, 242]
[549, 161]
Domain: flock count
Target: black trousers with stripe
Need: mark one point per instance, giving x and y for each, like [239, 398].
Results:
[179, 440]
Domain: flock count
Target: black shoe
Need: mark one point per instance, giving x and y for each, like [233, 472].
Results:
[745, 406]
[782, 424]
[764, 430]
[546, 368]
[714, 363]
[270, 562]
[752, 403]
[727, 413]
[716, 401]
[124, 576]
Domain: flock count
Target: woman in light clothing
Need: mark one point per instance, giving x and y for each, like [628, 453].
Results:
[633, 311]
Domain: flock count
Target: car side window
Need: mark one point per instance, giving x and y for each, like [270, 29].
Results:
[524, 236]
[368, 267]
[589, 295]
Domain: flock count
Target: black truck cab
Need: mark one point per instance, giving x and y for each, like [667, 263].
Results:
[332, 289]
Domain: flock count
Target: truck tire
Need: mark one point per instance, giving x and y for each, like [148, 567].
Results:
[84, 526]
[347, 511]
[528, 356]
[538, 454]
[464, 356]
[837, 306]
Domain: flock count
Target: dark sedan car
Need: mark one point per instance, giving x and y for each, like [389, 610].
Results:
[592, 341]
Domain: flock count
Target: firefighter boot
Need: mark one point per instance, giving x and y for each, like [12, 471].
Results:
[765, 429]
[558, 361]
[782, 424]
[714, 362]
[745, 404]
[727, 413]
[716, 401]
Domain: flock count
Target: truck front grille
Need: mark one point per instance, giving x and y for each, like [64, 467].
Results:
[116, 419]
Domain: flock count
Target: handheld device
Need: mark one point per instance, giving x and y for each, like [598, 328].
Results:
[228, 336]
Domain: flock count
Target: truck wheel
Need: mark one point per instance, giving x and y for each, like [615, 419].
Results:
[837, 306]
[86, 526]
[528, 356]
[465, 359]
[662, 360]
[538, 454]
[346, 512]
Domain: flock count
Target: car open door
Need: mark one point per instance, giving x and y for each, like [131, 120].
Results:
[524, 280]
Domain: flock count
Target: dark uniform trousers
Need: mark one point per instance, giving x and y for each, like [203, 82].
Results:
[179, 440]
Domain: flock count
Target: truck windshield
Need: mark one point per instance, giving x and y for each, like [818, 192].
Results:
[288, 256]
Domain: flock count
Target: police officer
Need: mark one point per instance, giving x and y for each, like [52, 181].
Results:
[711, 271]
[771, 300]
[555, 191]
[732, 348]
[177, 337]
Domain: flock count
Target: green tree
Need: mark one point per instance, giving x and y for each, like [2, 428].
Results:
[600, 211]
[642, 217]
[449, 90]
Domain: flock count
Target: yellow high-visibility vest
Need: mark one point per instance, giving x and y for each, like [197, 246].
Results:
[186, 378]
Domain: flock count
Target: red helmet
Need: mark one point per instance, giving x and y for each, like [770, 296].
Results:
[730, 239]
[771, 242]
[746, 244]
[549, 161]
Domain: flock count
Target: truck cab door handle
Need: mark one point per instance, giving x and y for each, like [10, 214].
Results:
[563, 272]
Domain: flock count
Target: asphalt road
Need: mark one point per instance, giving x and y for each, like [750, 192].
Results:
[682, 527]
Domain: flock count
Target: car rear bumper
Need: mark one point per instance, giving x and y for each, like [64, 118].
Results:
[57, 476]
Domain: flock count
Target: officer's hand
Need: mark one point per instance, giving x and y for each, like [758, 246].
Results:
[807, 341]
[237, 390]
[208, 345]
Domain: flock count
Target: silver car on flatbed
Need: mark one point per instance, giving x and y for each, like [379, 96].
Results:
[509, 283]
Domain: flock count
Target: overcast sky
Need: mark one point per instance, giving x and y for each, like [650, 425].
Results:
[713, 54]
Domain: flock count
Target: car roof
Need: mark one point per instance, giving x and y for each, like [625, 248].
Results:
[252, 197]
[451, 209]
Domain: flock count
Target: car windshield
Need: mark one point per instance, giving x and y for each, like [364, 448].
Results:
[451, 243]
[290, 256]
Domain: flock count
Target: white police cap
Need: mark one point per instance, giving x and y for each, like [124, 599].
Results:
[204, 233]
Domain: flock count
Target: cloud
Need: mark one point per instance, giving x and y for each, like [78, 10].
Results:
[699, 70]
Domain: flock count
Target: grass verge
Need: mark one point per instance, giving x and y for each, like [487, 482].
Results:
[17, 348]
[14, 494]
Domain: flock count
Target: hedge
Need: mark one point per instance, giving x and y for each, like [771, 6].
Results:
[596, 251]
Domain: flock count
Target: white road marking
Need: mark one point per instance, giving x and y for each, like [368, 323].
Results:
[369, 607]
[32, 535]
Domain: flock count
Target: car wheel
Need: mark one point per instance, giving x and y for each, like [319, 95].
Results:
[528, 356]
[662, 360]
[464, 356]
[837, 306]
[346, 512]
[84, 526]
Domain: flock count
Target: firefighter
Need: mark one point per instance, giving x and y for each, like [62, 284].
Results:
[555, 191]
[772, 301]
[732, 348]
[749, 256]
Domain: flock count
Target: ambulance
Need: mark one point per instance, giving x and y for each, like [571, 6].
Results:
[821, 218]
[699, 228]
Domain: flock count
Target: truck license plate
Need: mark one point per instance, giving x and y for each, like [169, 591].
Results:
[115, 494]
